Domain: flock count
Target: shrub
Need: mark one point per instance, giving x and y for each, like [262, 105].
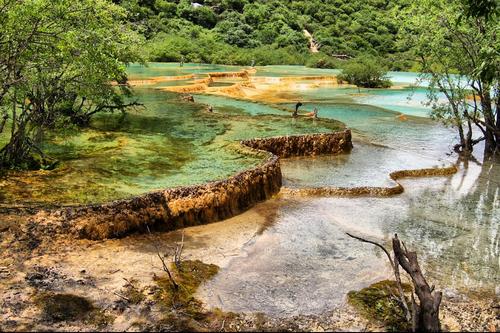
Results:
[320, 60]
[366, 72]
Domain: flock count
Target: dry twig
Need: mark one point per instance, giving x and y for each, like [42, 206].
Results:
[163, 262]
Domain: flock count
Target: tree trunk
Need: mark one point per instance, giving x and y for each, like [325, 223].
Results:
[491, 130]
[468, 144]
[14, 152]
[426, 315]
[497, 123]
[490, 145]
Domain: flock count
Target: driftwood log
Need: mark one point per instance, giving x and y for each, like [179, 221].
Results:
[424, 315]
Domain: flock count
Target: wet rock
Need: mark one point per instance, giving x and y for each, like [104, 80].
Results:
[188, 98]
[304, 145]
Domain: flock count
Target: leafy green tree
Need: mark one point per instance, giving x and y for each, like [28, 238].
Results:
[236, 5]
[60, 61]
[486, 9]
[321, 60]
[366, 72]
[458, 47]
[234, 31]
[165, 8]
[255, 14]
[290, 37]
[202, 15]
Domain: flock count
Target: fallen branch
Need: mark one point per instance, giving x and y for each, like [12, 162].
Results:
[374, 243]
[178, 253]
[121, 296]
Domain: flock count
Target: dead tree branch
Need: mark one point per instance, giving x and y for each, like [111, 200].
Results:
[395, 269]
[374, 243]
[428, 309]
[178, 253]
[163, 262]
[424, 315]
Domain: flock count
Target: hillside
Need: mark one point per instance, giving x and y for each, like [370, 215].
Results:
[269, 32]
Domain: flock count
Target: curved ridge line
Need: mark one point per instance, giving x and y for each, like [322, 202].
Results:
[268, 157]
[158, 79]
[373, 191]
[178, 207]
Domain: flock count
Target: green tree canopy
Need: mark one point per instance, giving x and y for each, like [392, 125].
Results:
[365, 71]
[340, 27]
[58, 66]
[457, 43]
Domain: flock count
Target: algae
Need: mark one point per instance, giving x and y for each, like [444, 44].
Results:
[132, 292]
[379, 302]
[182, 310]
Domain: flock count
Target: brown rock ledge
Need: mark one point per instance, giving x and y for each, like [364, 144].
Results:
[373, 191]
[304, 145]
[179, 207]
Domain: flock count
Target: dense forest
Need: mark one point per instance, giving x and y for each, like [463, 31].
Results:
[268, 32]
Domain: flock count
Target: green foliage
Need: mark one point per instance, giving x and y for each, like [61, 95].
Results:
[488, 9]
[340, 27]
[320, 60]
[189, 276]
[365, 72]
[207, 49]
[457, 43]
[66, 56]
[202, 15]
[234, 31]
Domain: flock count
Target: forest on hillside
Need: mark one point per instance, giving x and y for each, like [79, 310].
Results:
[240, 32]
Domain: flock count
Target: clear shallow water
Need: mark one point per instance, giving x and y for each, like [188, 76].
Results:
[156, 69]
[284, 71]
[366, 165]
[412, 105]
[238, 106]
[165, 144]
[300, 261]
[419, 136]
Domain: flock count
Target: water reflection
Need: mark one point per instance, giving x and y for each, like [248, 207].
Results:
[304, 262]
[459, 222]
[299, 259]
